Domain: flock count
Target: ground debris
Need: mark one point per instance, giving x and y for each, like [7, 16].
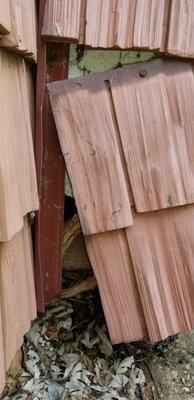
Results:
[67, 355]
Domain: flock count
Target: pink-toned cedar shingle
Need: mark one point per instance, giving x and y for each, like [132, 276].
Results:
[23, 32]
[18, 194]
[153, 107]
[161, 245]
[143, 116]
[18, 306]
[107, 23]
[111, 261]
[5, 17]
[62, 20]
[180, 41]
[88, 140]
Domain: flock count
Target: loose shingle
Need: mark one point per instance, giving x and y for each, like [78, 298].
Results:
[153, 107]
[88, 138]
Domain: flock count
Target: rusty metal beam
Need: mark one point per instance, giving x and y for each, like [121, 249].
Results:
[52, 65]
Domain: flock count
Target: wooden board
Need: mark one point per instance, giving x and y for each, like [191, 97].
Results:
[18, 194]
[156, 122]
[62, 19]
[17, 291]
[162, 250]
[75, 258]
[110, 258]
[181, 29]
[88, 136]
[5, 17]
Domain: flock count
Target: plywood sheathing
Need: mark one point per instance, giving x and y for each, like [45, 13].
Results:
[5, 17]
[18, 194]
[89, 146]
[22, 36]
[146, 266]
[17, 302]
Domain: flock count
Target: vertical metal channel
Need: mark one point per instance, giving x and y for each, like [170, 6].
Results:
[52, 65]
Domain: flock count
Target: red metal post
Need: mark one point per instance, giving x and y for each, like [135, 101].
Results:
[52, 65]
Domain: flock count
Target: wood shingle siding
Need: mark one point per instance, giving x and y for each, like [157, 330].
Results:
[153, 25]
[18, 194]
[22, 36]
[5, 17]
[17, 302]
[181, 29]
[142, 116]
[88, 138]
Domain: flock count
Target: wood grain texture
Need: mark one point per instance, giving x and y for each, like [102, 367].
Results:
[110, 258]
[17, 291]
[148, 26]
[2, 356]
[181, 29]
[18, 194]
[107, 23]
[5, 17]
[75, 258]
[155, 120]
[23, 32]
[62, 20]
[88, 138]
[125, 24]
[161, 245]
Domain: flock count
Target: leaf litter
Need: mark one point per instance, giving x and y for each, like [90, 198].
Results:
[67, 355]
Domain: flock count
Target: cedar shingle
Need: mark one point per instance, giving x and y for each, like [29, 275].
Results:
[18, 194]
[88, 138]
